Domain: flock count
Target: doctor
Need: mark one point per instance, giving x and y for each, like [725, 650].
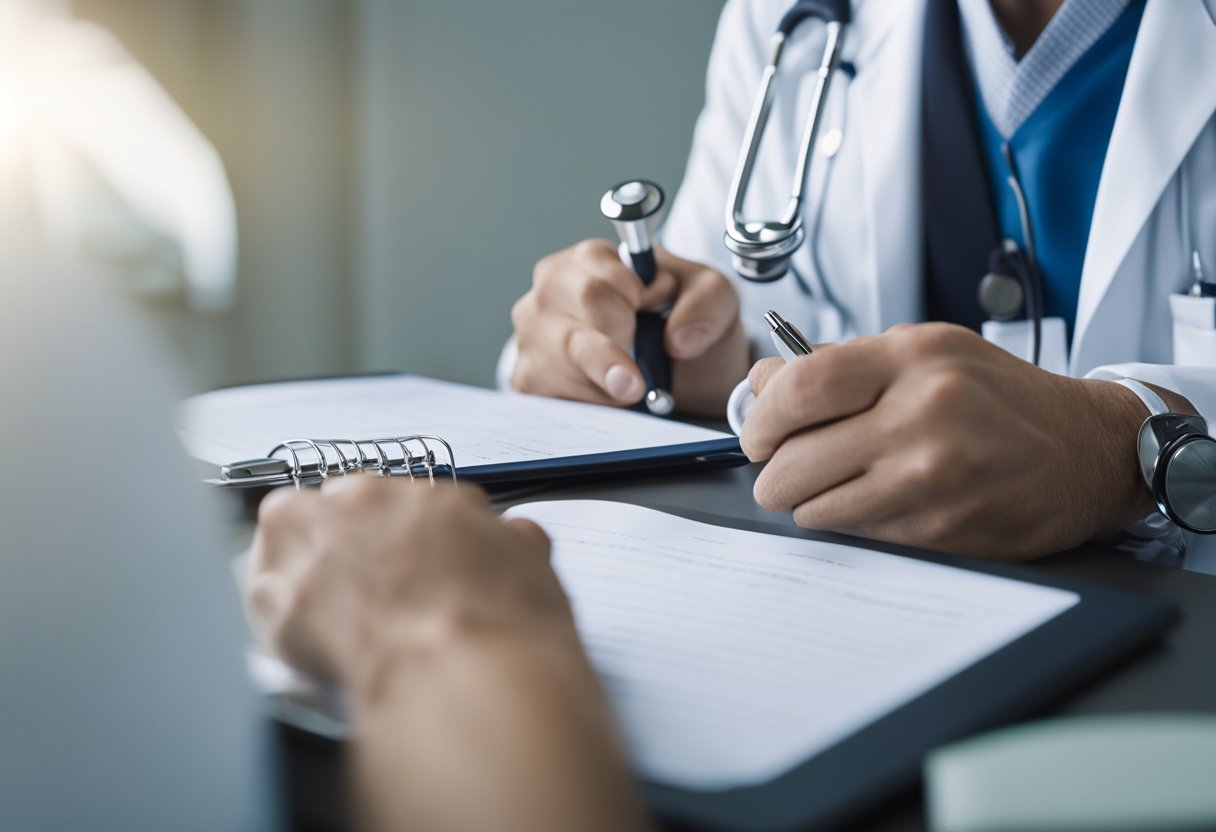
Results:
[942, 115]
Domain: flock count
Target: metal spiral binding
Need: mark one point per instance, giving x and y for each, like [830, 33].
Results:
[301, 462]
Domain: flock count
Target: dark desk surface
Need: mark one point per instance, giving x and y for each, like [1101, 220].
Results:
[1176, 674]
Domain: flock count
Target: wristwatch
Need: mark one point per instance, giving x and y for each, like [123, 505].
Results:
[1178, 461]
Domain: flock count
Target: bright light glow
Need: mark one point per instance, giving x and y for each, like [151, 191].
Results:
[79, 107]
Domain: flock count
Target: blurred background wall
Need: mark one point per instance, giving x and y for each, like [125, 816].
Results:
[398, 165]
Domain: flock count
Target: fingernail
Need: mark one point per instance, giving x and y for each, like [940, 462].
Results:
[620, 383]
[691, 340]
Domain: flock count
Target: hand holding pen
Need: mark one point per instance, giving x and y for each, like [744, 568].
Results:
[790, 344]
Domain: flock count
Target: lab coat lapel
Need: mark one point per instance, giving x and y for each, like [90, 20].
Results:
[1168, 97]
[886, 95]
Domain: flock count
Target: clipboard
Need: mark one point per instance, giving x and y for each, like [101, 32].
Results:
[300, 448]
[838, 787]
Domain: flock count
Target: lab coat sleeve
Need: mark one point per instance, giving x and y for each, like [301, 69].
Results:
[741, 49]
[1196, 384]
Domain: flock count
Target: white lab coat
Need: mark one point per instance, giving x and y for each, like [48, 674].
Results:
[864, 202]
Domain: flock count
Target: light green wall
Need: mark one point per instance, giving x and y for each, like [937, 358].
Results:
[490, 130]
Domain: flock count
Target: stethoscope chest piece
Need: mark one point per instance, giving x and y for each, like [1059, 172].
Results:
[1001, 296]
[761, 251]
[1002, 291]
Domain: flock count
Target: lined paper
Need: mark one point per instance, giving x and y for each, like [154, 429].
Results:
[731, 656]
[483, 426]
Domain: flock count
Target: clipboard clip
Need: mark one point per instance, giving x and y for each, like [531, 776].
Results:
[302, 462]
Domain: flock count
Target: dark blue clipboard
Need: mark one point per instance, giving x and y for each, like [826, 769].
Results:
[662, 459]
[837, 788]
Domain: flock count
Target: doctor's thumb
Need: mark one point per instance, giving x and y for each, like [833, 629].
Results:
[705, 310]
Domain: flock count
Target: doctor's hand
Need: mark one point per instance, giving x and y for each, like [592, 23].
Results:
[930, 436]
[474, 705]
[575, 329]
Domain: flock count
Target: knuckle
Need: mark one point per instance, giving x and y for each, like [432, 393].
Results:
[719, 287]
[946, 389]
[543, 271]
[589, 249]
[941, 467]
[523, 377]
[922, 468]
[804, 383]
[593, 291]
[808, 516]
[751, 447]
[924, 341]
[276, 508]
[522, 312]
[356, 487]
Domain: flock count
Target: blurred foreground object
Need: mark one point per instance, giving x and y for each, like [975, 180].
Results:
[123, 692]
[1131, 772]
[112, 167]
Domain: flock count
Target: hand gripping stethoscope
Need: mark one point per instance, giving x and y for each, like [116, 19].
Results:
[761, 249]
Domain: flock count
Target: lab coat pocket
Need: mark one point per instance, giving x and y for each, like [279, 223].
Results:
[1194, 330]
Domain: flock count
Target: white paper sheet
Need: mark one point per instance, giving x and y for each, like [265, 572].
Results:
[482, 426]
[731, 656]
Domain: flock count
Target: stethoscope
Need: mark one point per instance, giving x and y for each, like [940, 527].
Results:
[761, 249]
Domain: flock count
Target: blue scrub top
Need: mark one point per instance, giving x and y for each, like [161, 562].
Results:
[1059, 151]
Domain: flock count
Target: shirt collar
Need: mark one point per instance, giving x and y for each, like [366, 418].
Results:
[1012, 89]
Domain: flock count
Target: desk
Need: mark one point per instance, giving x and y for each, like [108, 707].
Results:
[1176, 674]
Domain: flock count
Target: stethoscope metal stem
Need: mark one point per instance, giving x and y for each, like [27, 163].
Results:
[761, 249]
[810, 132]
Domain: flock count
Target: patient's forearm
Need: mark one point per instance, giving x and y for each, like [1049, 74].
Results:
[492, 732]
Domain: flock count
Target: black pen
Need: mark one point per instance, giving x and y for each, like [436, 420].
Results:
[633, 207]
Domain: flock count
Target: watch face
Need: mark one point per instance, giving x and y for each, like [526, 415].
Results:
[1190, 484]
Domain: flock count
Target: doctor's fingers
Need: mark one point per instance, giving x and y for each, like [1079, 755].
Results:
[583, 278]
[705, 309]
[816, 461]
[869, 505]
[573, 361]
[811, 390]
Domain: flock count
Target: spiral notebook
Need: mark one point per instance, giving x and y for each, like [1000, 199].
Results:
[404, 425]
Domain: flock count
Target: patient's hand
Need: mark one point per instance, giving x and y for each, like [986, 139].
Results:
[474, 704]
[369, 569]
